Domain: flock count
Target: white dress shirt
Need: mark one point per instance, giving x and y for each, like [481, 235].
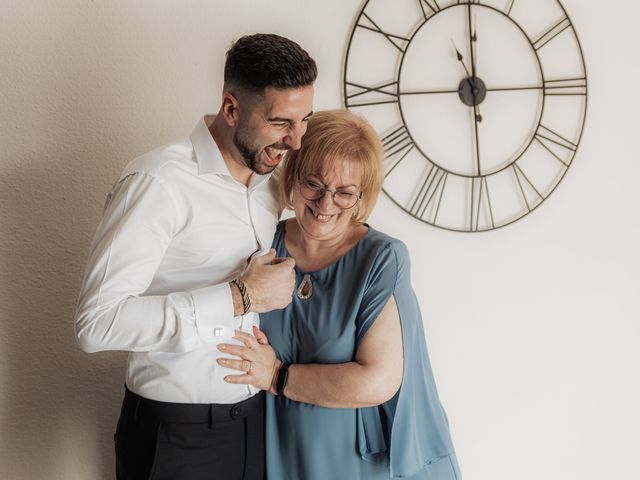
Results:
[176, 228]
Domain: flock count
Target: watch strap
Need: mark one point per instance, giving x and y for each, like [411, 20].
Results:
[283, 375]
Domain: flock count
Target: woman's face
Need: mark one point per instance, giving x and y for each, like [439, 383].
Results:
[322, 219]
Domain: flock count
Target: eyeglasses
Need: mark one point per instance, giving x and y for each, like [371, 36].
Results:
[313, 190]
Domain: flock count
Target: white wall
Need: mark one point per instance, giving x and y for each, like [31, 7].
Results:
[533, 328]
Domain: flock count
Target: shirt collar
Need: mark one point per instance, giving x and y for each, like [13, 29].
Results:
[208, 155]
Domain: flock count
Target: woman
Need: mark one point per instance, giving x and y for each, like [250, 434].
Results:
[353, 395]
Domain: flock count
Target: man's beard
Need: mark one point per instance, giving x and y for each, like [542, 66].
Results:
[251, 153]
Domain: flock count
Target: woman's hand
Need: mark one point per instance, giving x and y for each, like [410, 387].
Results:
[258, 361]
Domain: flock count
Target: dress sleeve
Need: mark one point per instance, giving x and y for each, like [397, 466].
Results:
[410, 432]
[378, 288]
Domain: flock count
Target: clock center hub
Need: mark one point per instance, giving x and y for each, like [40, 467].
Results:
[472, 91]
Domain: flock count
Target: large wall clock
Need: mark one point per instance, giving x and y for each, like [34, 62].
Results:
[480, 104]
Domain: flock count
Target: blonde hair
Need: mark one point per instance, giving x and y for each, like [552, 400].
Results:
[336, 136]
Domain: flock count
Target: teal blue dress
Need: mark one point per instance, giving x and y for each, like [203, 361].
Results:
[406, 437]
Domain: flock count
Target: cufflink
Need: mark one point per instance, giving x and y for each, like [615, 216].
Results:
[218, 332]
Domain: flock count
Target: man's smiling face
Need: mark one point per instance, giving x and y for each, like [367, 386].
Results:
[273, 125]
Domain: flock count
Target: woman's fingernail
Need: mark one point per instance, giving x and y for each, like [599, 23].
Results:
[222, 361]
[226, 379]
[222, 347]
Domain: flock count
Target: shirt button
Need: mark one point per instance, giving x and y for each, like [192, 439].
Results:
[218, 332]
[235, 411]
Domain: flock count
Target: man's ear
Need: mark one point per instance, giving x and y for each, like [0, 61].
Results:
[230, 109]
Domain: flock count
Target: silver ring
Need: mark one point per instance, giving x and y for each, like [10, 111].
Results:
[250, 366]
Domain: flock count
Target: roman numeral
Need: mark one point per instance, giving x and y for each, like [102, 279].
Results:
[432, 186]
[385, 96]
[397, 41]
[551, 33]
[397, 146]
[566, 86]
[551, 140]
[432, 5]
[480, 201]
[510, 7]
[524, 182]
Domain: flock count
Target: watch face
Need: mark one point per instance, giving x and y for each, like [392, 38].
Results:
[480, 105]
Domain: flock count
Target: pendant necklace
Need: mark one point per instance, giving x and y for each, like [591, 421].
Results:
[305, 290]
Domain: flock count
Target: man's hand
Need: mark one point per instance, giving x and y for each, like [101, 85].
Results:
[269, 281]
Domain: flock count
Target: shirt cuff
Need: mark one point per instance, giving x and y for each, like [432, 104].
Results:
[214, 312]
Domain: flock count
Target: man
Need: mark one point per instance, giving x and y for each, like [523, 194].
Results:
[168, 279]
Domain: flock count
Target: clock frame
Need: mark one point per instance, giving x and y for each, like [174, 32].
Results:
[480, 105]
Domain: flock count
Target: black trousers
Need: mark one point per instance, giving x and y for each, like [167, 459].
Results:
[179, 441]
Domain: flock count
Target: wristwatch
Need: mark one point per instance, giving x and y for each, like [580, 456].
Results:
[283, 375]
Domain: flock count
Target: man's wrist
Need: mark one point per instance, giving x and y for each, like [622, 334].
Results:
[236, 296]
[244, 295]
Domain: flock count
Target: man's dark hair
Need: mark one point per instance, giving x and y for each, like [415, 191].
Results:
[255, 62]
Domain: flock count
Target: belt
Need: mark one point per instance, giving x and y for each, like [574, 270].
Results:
[144, 408]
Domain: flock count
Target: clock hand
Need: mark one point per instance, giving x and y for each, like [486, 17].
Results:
[473, 38]
[476, 111]
[460, 58]
[477, 118]
[474, 89]
[472, 45]
[476, 121]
